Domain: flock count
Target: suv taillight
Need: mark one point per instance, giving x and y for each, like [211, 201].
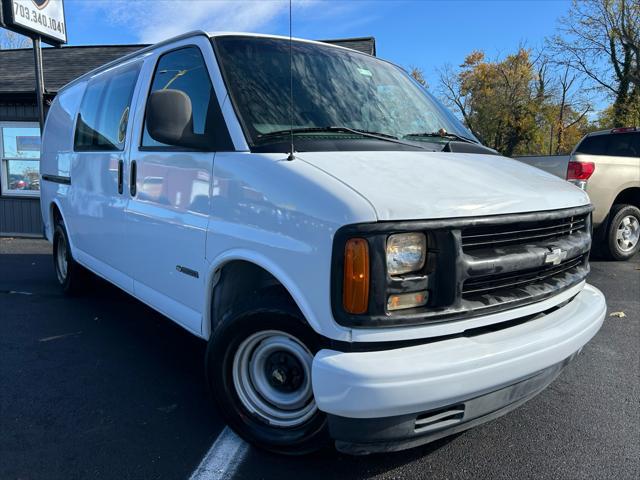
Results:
[580, 170]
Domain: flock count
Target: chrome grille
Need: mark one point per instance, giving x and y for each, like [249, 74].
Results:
[485, 284]
[521, 232]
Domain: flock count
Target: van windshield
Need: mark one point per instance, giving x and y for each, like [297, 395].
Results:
[336, 94]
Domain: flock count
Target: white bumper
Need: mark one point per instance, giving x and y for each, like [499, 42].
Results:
[424, 377]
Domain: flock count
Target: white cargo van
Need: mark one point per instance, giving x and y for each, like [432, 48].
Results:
[390, 282]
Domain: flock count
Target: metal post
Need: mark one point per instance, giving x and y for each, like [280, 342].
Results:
[37, 54]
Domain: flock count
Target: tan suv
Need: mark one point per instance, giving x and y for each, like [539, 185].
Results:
[607, 165]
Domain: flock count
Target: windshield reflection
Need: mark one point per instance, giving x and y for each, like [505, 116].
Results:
[332, 87]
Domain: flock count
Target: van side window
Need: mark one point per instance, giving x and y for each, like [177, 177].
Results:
[594, 145]
[186, 71]
[104, 112]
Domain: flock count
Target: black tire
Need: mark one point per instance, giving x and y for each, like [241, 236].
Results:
[266, 314]
[71, 278]
[614, 246]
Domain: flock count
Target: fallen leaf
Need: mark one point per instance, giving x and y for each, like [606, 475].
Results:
[618, 314]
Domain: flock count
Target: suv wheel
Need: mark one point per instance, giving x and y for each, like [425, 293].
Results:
[623, 234]
[258, 366]
[68, 271]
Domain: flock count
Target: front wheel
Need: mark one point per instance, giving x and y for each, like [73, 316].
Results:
[258, 367]
[623, 234]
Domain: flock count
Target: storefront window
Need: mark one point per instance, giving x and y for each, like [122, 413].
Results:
[20, 154]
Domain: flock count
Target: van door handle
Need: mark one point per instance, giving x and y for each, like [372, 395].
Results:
[120, 176]
[133, 179]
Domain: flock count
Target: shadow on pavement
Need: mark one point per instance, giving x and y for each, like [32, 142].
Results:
[95, 386]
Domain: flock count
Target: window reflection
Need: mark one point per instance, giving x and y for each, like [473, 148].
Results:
[20, 154]
[331, 87]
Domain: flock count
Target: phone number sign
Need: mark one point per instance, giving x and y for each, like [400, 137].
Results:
[43, 17]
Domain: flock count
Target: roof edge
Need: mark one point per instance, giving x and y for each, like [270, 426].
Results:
[67, 47]
[129, 56]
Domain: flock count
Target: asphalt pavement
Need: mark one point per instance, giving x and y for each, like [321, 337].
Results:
[100, 386]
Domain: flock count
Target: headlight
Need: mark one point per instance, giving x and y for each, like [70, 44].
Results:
[406, 252]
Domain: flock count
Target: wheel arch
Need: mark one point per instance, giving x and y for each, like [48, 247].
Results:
[55, 213]
[245, 272]
[629, 195]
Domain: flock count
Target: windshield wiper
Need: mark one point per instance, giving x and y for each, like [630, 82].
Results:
[451, 136]
[365, 133]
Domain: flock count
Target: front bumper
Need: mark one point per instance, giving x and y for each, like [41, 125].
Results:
[500, 370]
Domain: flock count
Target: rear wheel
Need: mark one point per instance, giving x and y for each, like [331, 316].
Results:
[68, 272]
[623, 234]
[259, 371]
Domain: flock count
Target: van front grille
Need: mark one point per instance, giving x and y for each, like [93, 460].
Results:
[475, 266]
[524, 232]
[485, 284]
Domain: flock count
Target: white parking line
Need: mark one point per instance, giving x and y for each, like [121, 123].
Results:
[223, 458]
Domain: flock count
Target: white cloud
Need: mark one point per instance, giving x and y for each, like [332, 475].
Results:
[153, 21]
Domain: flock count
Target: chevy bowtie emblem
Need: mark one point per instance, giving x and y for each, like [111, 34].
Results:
[554, 256]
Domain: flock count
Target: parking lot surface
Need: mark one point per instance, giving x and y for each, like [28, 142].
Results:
[100, 386]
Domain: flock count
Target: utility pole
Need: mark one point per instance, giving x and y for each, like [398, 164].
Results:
[37, 55]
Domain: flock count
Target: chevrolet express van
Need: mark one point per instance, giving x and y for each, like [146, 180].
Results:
[384, 283]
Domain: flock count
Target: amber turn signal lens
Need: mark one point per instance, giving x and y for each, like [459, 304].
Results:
[355, 295]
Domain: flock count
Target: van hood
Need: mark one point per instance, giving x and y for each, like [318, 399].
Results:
[429, 185]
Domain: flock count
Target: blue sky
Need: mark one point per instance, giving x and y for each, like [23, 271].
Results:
[422, 33]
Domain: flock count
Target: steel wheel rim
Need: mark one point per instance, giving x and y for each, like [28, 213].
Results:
[255, 389]
[628, 233]
[61, 260]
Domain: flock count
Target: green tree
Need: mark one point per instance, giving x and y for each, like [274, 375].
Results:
[497, 100]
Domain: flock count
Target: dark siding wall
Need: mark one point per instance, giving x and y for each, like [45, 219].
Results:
[18, 112]
[20, 216]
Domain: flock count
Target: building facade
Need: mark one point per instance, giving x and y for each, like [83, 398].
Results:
[19, 130]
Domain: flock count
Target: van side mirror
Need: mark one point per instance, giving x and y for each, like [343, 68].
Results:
[169, 120]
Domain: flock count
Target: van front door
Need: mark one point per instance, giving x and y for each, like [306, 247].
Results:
[170, 193]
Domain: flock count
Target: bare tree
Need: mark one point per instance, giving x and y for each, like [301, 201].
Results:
[571, 108]
[451, 91]
[601, 40]
[10, 40]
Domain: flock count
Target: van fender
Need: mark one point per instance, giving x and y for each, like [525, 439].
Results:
[213, 275]
[56, 202]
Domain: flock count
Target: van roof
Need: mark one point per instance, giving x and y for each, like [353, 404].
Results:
[354, 44]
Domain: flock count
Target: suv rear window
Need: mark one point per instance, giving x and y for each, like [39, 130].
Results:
[595, 145]
[624, 145]
[614, 144]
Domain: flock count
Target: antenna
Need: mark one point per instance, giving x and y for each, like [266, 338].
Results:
[291, 155]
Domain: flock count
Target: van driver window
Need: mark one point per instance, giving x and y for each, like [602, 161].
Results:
[104, 113]
[186, 71]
